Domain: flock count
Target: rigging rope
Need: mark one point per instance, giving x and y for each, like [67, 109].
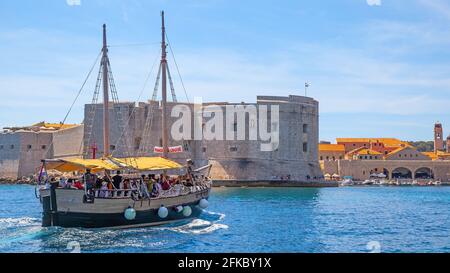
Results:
[178, 70]
[131, 45]
[75, 100]
[140, 94]
[82, 87]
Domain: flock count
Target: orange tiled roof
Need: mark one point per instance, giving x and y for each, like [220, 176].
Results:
[363, 151]
[398, 150]
[437, 155]
[385, 141]
[331, 148]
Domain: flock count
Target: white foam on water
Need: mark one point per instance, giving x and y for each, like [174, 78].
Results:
[17, 222]
[221, 215]
[201, 226]
[210, 229]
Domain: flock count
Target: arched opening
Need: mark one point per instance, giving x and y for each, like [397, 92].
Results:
[401, 173]
[386, 172]
[424, 173]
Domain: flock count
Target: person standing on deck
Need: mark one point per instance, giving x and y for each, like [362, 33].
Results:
[89, 179]
[117, 180]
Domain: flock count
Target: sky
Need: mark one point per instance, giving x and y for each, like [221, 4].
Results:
[379, 68]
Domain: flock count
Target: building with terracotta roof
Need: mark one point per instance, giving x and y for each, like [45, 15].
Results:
[23, 148]
[381, 145]
[361, 158]
[331, 151]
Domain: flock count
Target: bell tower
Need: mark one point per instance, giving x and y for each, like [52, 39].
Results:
[447, 145]
[438, 138]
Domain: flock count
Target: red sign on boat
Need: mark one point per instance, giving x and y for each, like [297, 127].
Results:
[172, 150]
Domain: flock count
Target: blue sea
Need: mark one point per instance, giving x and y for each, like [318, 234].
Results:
[352, 219]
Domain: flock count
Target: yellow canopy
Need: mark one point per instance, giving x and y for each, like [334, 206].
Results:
[147, 163]
[111, 164]
[78, 164]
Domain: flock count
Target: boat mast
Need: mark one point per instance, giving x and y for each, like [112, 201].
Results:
[105, 64]
[164, 90]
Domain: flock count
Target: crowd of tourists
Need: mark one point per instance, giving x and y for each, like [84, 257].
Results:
[117, 186]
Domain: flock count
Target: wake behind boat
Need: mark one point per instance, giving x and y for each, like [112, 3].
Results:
[146, 194]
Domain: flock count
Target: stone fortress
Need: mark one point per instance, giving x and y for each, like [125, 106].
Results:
[240, 160]
[362, 158]
[23, 148]
[136, 130]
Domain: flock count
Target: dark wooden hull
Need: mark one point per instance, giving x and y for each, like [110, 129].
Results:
[69, 209]
[143, 219]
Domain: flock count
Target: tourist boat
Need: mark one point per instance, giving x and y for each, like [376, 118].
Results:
[89, 208]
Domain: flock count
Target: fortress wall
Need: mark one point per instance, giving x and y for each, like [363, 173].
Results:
[30, 158]
[235, 159]
[68, 142]
[9, 157]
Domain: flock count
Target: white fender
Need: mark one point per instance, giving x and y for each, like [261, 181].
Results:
[187, 211]
[203, 204]
[163, 212]
[130, 214]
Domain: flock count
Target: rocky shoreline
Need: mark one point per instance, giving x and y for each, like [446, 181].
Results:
[25, 181]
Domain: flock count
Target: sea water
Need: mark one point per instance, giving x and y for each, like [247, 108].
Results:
[351, 219]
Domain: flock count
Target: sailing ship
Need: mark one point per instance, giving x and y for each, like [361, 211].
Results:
[89, 207]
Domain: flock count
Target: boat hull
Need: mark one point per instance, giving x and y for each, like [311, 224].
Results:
[143, 219]
[69, 209]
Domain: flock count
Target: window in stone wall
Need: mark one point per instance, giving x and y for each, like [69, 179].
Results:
[186, 146]
[1, 147]
[305, 147]
[12, 147]
[321, 158]
[112, 147]
[29, 147]
[204, 149]
[43, 147]
[305, 128]
[233, 149]
[137, 143]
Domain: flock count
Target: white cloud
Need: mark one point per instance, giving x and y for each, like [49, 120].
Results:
[374, 2]
[73, 2]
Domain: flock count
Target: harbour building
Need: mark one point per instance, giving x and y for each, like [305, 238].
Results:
[363, 158]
